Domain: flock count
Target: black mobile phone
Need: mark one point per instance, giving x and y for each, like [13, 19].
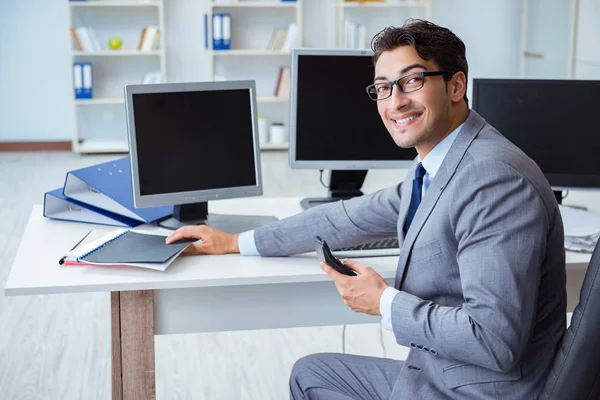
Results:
[324, 254]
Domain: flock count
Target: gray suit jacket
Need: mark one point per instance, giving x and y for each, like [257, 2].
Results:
[481, 269]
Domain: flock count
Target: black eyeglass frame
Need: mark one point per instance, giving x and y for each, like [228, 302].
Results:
[395, 83]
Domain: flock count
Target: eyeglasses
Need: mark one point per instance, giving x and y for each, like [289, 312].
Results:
[407, 84]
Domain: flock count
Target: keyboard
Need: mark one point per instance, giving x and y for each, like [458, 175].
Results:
[380, 248]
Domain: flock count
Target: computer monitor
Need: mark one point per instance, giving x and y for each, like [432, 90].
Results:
[191, 143]
[553, 121]
[333, 122]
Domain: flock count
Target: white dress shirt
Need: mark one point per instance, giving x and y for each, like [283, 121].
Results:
[431, 163]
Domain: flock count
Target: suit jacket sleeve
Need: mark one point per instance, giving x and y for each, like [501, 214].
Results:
[501, 230]
[344, 223]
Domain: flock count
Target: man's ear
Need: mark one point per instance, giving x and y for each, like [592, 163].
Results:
[457, 87]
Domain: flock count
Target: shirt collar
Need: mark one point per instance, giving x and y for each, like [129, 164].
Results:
[433, 161]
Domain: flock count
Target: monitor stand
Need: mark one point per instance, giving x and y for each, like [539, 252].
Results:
[559, 196]
[197, 214]
[343, 185]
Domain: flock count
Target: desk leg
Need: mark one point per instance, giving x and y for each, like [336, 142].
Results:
[132, 329]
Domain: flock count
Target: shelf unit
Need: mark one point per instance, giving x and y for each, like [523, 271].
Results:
[374, 15]
[252, 24]
[99, 123]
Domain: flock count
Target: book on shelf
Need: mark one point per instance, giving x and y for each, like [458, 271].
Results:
[355, 35]
[149, 38]
[282, 89]
[85, 39]
[277, 38]
[283, 38]
[291, 38]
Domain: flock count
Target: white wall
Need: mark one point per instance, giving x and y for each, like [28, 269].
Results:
[491, 31]
[587, 51]
[35, 88]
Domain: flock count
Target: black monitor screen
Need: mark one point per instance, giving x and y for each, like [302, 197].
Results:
[335, 119]
[552, 121]
[197, 140]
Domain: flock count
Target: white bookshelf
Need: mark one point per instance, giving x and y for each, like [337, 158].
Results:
[100, 100]
[252, 24]
[118, 53]
[248, 52]
[271, 146]
[99, 123]
[115, 3]
[374, 15]
[255, 4]
[272, 99]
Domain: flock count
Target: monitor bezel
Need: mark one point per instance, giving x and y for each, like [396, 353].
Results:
[296, 163]
[557, 181]
[195, 196]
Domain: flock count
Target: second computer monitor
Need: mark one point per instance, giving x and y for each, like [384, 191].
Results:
[553, 121]
[334, 124]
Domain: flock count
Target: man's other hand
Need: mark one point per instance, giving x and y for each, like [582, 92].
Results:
[361, 293]
[213, 240]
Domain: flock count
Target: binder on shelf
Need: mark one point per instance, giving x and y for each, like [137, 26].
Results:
[206, 31]
[108, 186]
[78, 80]
[226, 34]
[58, 206]
[217, 34]
[86, 70]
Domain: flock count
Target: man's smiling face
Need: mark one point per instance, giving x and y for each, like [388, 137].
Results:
[419, 119]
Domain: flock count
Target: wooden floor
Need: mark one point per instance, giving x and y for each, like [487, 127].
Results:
[58, 346]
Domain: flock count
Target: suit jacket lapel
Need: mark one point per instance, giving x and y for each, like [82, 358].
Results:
[469, 131]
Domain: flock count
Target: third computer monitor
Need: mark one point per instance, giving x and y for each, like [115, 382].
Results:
[334, 125]
[553, 121]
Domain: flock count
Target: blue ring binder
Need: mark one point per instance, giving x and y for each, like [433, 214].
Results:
[103, 245]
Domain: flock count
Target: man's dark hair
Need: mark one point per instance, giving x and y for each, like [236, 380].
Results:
[431, 41]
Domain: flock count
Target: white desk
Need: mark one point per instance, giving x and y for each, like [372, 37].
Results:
[195, 294]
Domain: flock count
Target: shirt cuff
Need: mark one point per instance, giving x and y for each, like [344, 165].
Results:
[247, 244]
[385, 307]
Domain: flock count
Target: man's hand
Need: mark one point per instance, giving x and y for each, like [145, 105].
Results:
[361, 293]
[213, 241]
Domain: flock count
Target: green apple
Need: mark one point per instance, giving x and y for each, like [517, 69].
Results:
[115, 43]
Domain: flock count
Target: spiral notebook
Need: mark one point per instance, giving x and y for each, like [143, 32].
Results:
[124, 247]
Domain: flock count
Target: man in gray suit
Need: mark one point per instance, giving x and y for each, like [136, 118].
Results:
[480, 285]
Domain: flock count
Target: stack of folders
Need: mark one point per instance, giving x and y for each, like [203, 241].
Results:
[100, 194]
[82, 80]
[124, 247]
[221, 31]
[582, 229]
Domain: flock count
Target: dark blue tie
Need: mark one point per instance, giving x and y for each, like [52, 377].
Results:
[415, 198]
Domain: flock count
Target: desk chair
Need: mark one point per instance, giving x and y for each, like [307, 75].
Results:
[575, 374]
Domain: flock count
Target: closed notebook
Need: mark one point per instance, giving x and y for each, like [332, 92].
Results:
[129, 248]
